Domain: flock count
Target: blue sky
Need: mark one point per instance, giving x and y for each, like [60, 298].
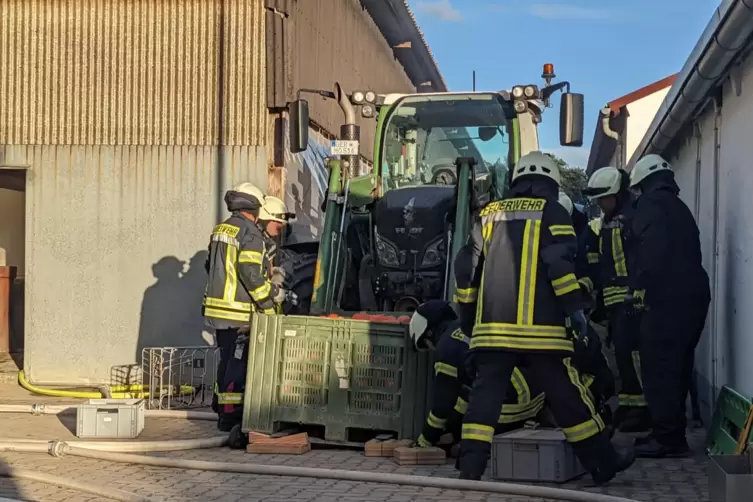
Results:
[605, 49]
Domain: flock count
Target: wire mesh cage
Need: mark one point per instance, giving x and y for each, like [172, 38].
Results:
[178, 377]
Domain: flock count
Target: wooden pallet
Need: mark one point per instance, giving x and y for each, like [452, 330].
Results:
[404, 455]
[292, 444]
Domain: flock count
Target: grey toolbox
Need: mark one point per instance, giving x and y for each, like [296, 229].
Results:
[110, 418]
[534, 454]
[731, 477]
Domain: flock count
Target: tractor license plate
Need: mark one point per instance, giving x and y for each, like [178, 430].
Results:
[342, 147]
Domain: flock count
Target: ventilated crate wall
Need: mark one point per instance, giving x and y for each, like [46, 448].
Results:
[375, 378]
[338, 373]
[303, 367]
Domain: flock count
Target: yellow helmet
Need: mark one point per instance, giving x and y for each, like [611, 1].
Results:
[274, 209]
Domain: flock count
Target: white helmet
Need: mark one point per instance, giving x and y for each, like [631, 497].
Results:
[250, 189]
[274, 209]
[604, 182]
[417, 329]
[566, 202]
[647, 166]
[539, 164]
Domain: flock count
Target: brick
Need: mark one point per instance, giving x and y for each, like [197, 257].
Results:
[419, 456]
[377, 448]
[294, 444]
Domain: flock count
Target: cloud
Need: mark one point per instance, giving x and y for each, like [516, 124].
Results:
[565, 11]
[440, 9]
[575, 157]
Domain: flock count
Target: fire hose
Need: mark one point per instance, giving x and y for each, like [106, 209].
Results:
[114, 452]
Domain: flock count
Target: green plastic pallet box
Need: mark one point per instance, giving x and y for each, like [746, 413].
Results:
[728, 422]
[338, 373]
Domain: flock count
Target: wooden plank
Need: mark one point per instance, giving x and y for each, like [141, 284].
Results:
[377, 448]
[294, 444]
[404, 455]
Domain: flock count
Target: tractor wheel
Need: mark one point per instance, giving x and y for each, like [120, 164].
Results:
[299, 278]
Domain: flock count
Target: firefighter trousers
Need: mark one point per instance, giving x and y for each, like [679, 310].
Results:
[566, 395]
[670, 332]
[624, 327]
[231, 375]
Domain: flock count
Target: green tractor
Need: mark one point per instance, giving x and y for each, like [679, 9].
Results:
[390, 236]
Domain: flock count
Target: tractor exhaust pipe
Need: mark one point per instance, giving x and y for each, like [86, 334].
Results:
[349, 131]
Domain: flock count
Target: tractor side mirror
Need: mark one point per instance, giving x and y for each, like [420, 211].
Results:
[571, 119]
[299, 125]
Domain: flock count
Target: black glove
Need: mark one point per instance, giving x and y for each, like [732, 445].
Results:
[635, 301]
[580, 325]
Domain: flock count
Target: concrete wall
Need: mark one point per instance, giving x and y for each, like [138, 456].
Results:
[726, 350]
[119, 109]
[12, 229]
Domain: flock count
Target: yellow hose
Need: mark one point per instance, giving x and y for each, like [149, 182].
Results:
[117, 391]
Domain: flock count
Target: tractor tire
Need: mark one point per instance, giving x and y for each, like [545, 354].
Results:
[299, 278]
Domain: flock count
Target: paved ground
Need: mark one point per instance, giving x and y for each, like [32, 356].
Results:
[656, 481]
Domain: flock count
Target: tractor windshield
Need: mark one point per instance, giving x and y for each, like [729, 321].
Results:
[424, 135]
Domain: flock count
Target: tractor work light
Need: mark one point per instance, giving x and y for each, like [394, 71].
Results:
[530, 91]
[358, 97]
[517, 92]
[370, 97]
[520, 106]
[367, 111]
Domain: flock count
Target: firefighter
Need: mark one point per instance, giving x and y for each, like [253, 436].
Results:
[519, 267]
[608, 187]
[671, 288]
[274, 217]
[434, 326]
[236, 287]
[589, 358]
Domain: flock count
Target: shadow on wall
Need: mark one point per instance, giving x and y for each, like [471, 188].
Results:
[171, 309]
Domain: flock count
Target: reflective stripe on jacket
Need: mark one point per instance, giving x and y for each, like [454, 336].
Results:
[610, 271]
[237, 283]
[519, 265]
[451, 387]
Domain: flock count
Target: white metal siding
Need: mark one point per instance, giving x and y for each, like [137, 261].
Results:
[729, 340]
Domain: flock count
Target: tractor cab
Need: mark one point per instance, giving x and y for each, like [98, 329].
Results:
[390, 236]
[413, 218]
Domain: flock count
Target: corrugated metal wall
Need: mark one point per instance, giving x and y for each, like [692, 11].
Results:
[117, 107]
[336, 40]
[109, 72]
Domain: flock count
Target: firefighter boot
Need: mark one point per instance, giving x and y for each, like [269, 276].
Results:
[602, 459]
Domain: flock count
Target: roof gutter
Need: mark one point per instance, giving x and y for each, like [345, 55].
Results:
[724, 37]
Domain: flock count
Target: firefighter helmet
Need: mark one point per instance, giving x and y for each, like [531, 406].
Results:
[604, 182]
[647, 166]
[274, 209]
[250, 189]
[537, 164]
[566, 202]
[427, 316]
